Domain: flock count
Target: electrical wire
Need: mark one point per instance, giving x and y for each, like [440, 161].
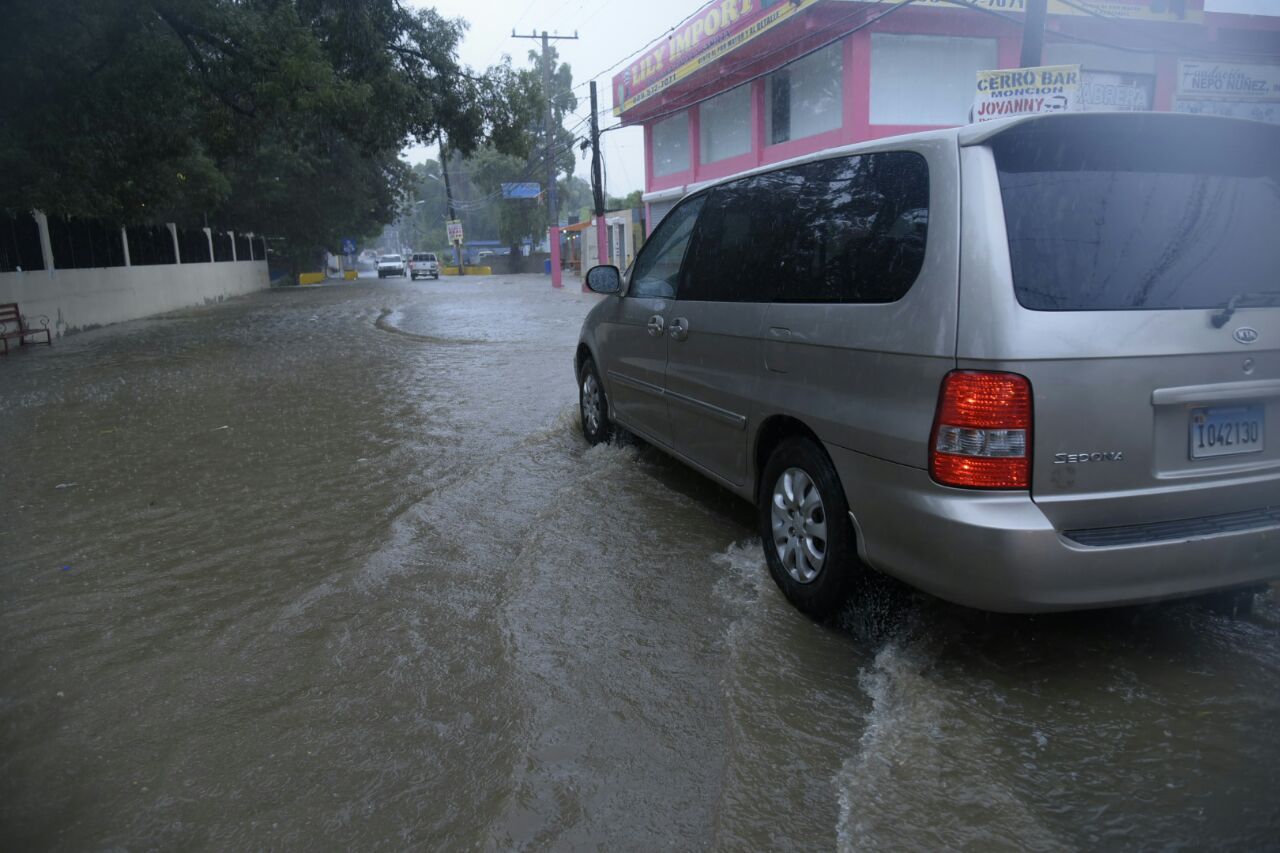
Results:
[534, 164]
[686, 104]
[1060, 35]
[641, 50]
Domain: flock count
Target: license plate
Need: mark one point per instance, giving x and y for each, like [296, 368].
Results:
[1226, 431]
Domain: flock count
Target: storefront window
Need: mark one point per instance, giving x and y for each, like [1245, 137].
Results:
[1110, 79]
[926, 80]
[670, 140]
[726, 125]
[805, 98]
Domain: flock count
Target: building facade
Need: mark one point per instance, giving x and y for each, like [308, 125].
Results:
[744, 83]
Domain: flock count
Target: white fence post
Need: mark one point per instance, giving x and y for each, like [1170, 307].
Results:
[173, 235]
[208, 235]
[124, 241]
[46, 246]
[231, 235]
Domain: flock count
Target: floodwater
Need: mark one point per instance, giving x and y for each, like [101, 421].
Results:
[332, 567]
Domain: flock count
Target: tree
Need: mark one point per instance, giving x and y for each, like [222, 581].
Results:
[630, 200]
[516, 218]
[563, 102]
[284, 117]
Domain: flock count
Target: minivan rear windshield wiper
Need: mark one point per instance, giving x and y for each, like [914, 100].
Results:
[1241, 300]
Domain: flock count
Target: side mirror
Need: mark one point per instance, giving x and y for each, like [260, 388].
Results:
[604, 279]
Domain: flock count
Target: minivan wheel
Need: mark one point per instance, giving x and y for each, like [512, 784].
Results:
[808, 540]
[592, 405]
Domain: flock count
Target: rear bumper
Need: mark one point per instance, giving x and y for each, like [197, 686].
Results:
[998, 551]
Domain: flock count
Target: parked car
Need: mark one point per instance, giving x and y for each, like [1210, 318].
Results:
[389, 265]
[1027, 365]
[423, 264]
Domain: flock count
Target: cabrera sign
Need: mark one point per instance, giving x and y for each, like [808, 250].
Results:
[1026, 91]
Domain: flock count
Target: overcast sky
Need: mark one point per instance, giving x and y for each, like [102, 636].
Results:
[608, 31]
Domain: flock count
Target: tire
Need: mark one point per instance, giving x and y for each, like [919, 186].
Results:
[593, 406]
[819, 561]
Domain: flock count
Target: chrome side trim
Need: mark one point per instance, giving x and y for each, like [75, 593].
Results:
[638, 384]
[1255, 390]
[731, 418]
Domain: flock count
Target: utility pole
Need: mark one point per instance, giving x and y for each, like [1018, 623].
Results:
[548, 130]
[448, 197]
[597, 183]
[1033, 33]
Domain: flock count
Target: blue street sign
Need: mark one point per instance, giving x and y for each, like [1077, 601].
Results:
[527, 190]
[348, 246]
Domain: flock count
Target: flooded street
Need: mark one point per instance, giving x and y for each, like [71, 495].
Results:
[334, 568]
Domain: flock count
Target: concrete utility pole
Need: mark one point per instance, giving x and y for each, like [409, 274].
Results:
[597, 182]
[1033, 33]
[553, 215]
[448, 197]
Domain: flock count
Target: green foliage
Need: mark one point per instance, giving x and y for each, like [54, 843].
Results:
[630, 200]
[285, 117]
[516, 218]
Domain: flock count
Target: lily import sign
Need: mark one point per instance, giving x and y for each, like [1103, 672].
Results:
[1027, 91]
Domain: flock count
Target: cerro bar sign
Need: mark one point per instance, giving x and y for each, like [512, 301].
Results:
[1026, 91]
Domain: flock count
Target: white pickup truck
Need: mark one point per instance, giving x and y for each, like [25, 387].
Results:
[423, 264]
[389, 265]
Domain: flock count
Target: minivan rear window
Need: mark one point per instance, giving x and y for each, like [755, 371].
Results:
[1130, 213]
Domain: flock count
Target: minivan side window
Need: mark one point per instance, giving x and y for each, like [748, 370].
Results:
[657, 267]
[844, 230]
[738, 252]
[858, 231]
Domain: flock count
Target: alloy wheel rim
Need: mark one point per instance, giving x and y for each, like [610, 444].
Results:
[591, 403]
[799, 522]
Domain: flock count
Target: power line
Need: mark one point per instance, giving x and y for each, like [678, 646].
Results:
[756, 59]
[552, 211]
[1061, 35]
[641, 50]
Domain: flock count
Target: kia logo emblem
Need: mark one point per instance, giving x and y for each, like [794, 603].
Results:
[1245, 335]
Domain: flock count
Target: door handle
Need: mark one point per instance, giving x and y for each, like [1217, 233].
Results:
[679, 329]
[655, 325]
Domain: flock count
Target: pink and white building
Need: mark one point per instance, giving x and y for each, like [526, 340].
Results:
[744, 83]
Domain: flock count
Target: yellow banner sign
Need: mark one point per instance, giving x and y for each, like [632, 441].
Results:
[696, 39]
[1116, 9]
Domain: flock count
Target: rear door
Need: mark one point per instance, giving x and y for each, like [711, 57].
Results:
[1129, 266]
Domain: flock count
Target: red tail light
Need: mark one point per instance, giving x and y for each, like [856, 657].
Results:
[982, 432]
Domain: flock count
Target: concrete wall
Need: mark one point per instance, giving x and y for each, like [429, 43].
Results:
[82, 298]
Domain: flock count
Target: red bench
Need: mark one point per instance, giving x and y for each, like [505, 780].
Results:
[14, 325]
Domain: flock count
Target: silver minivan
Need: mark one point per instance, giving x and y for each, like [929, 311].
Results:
[1028, 365]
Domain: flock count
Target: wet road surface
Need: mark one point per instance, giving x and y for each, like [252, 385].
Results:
[332, 567]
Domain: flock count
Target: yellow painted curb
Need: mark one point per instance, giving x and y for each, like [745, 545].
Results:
[310, 278]
[351, 275]
[469, 270]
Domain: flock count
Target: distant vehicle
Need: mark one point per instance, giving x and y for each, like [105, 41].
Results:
[423, 264]
[482, 256]
[389, 265]
[1027, 365]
